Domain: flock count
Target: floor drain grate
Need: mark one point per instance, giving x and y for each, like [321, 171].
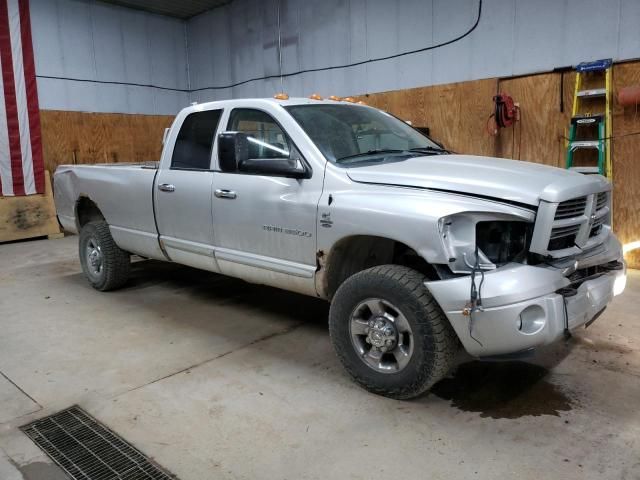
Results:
[87, 450]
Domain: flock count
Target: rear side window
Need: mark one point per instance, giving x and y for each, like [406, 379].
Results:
[195, 140]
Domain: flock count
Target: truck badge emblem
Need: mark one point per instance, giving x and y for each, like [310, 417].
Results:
[287, 231]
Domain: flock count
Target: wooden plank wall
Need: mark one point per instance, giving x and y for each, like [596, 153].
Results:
[457, 115]
[80, 137]
[626, 163]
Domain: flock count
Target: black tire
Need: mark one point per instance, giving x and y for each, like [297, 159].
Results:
[434, 342]
[113, 271]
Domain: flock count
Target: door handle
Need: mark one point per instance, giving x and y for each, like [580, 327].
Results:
[166, 187]
[225, 194]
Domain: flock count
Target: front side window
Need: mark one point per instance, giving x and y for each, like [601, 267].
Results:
[195, 140]
[349, 134]
[265, 137]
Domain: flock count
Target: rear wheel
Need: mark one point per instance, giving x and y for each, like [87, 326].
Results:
[390, 334]
[105, 265]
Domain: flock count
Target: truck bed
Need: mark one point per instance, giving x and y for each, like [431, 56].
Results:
[124, 193]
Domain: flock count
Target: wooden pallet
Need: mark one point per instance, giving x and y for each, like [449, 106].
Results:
[29, 216]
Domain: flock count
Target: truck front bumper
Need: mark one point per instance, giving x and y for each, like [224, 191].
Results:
[522, 307]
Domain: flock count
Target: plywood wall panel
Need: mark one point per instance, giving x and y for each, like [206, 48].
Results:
[625, 151]
[455, 113]
[538, 136]
[78, 137]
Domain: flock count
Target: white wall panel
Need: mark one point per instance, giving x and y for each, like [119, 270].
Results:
[452, 63]
[108, 45]
[539, 36]
[514, 37]
[76, 35]
[382, 40]
[629, 39]
[205, 34]
[591, 30]
[491, 50]
[290, 21]
[136, 59]
[167, 51]
[416, 30]
[47, 43]
[90, 40]
[52, 94]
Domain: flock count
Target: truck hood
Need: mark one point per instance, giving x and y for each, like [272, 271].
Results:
[510, 180]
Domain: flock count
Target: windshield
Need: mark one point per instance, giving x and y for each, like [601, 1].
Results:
[348, 134]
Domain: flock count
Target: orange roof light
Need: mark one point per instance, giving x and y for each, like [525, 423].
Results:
[360, 102]
[315, 96]
[334, 98]
[349, 99]
[281, 96]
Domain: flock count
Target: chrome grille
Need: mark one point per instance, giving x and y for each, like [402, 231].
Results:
[571, 226]
[571, 208]
[559, 232]
[601, 201]
[596, 226]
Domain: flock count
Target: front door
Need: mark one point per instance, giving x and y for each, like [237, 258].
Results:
[183, 193]
[265, 226]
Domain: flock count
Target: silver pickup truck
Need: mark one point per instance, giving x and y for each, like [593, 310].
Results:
[419, 250]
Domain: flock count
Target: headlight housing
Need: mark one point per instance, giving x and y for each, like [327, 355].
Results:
[504, 241]
[500, 239]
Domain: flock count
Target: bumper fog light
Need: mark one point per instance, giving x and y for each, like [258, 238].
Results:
[532, 320]
[619, 284]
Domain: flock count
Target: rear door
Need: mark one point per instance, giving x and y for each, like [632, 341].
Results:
[183, 193]
[265, 226]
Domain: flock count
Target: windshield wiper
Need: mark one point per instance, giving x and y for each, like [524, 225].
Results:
[429, 149]
[369, 153]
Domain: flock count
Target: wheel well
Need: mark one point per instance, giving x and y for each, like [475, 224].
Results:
[87, 211]
[354, 254]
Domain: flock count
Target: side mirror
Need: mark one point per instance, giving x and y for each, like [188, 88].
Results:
[233, 156]
[233, 149]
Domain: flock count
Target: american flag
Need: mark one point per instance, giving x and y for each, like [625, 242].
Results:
[21, 164]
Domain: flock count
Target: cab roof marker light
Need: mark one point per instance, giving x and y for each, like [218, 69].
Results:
[349, 99]
[334, 98]
[315, 96]
[360, 102]
[281, 96]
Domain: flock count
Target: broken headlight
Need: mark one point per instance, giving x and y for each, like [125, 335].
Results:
[497, 239]
[503, 242]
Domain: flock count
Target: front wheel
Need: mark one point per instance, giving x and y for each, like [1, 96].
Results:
[105, 265]
[389, 332]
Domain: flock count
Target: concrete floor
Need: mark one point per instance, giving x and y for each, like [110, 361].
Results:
[217, 379]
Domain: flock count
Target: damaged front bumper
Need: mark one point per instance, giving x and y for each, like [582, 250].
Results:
[524, 306]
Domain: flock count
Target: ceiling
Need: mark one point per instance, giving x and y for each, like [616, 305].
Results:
[174, 8]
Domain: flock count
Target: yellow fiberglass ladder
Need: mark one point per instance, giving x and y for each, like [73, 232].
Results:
[590, 128]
